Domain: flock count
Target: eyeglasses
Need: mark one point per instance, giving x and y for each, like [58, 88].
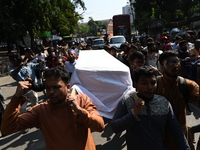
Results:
[172, 63]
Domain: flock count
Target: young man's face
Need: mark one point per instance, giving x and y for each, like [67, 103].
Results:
[146, 86]
[59, 62]
[113, 52]
[57, 90]
[171, 66]
[153, 48]
[184, 47]
[136, 63]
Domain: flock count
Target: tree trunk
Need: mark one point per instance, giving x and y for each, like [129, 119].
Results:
[8, 45]
[32, 41]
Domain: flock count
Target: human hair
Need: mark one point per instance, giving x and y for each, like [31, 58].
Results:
[29, 51]
[136, 54]
[182, 42]
[57, 72]
[167, 54]
[50, 49]
[14, 55]
[185, 35]
[143, 52]
[123, 45]
[143, 70]
[178, 37]
[59, 57]
[114, 48]
[150, 39]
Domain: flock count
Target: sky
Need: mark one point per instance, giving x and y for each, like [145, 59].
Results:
[102, 9]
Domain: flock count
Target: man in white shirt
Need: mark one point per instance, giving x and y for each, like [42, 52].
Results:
[70, 65]
[41, 56]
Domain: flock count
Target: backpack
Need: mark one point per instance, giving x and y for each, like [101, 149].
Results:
[183, 89]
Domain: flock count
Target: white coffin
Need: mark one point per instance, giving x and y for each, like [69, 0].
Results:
[103, 78]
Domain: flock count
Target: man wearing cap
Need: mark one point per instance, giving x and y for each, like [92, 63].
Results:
[70, 65]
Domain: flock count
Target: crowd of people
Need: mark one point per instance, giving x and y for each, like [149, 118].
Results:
[166, 77]
[176, 62]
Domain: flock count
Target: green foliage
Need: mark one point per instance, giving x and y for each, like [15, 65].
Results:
[19, 16]
[195, 9]
[167, 10]
[82, 29]
[95, 26]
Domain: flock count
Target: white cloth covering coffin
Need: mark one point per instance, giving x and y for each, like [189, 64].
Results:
[103, 78]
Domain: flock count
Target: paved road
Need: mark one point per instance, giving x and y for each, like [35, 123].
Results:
[33, 140]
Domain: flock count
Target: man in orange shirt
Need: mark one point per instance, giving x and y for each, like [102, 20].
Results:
[65, 120]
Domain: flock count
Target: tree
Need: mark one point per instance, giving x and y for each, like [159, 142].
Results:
[82, 29]
[167, 10]
[19, 16]
[95, 26]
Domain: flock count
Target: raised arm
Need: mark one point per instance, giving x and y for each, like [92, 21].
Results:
[86, 112]
[10, 121]
[123, 119]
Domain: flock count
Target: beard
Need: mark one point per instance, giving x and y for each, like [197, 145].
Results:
[170, 75]
[54, 99]
[71, 60]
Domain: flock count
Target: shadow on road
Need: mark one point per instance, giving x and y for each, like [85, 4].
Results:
[195, 110]
[9, 85]
[34, 139]
[117, 142]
